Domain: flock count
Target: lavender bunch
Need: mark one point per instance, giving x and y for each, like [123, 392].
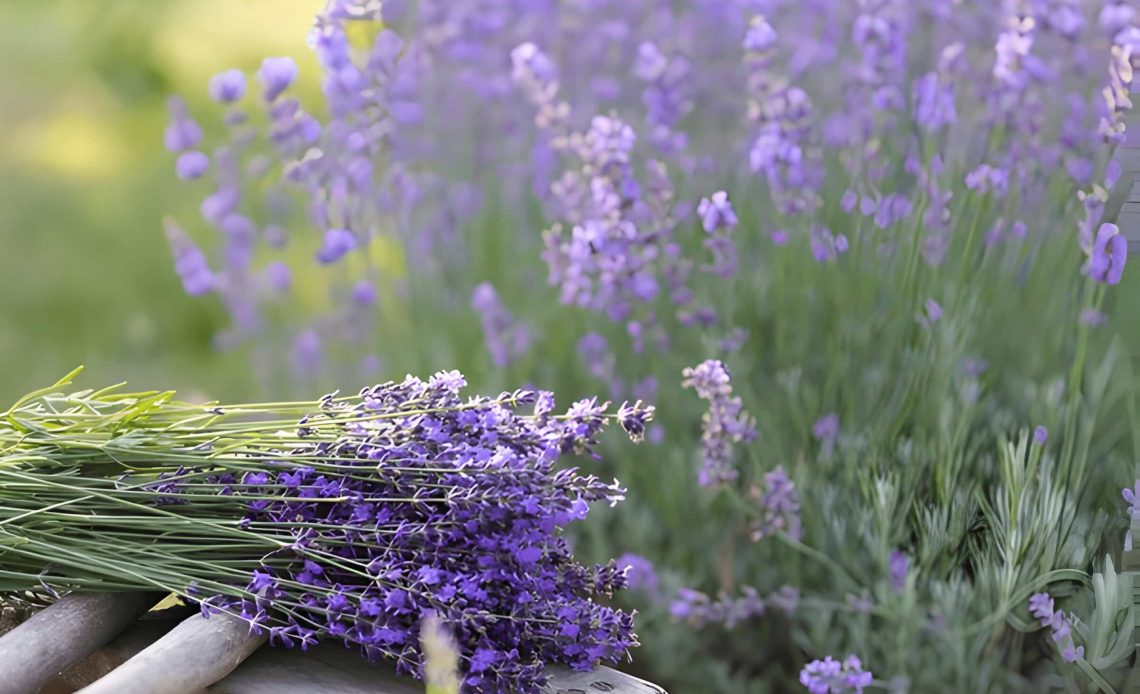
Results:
[353, 518]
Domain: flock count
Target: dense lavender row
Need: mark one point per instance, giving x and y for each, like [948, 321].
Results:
[840, 199]
[378, 165]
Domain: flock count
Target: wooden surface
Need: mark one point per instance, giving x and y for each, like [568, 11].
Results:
[190, 657]
[333, 668]
[1127, 189]
[64, 634]
[168, 652]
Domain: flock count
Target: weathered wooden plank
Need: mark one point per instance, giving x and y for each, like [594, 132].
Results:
[63, 634]
[332, 668]
[206, 655]
[192, 656]
[148, 629]
[1129, 222]
[328, 668]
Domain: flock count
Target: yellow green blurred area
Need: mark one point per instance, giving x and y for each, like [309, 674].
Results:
[87, 276]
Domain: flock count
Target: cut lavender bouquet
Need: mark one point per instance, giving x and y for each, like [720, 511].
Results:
[352, 518]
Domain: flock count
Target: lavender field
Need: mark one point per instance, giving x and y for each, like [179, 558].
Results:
[804, 331]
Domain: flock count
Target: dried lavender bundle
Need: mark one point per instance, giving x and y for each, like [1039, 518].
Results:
[349, 518]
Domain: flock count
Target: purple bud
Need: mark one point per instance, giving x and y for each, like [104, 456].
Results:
[337, 243]
[227, 87]
[189, 262]
[1109, 254]
[899, 567]
[716, 212]
[933, 311]
[364, 293]
[220, 204]
[1040, 435]
[182, 133]
[276, 74]
[191, 165]
[278, 276]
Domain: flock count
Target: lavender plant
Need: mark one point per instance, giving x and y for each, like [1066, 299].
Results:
[889, 222]
[364, 519]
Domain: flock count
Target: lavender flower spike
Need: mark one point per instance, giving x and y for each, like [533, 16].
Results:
[829, 676]
[719, 219]
[507, 339]
[779, 507]
[189, 261]
[1041, 607]
[725, 424]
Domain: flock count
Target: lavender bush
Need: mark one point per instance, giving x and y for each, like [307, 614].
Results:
[873, 238]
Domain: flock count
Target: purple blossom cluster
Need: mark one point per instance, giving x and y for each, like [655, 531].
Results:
[829, 676]
[725, 424]
[698, 610]
[779, 507]
[782, 149]
[1041, 607]
[507, 339]
[718, 219]
[408, 501]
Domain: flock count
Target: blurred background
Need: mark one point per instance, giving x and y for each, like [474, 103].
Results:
[85, 273]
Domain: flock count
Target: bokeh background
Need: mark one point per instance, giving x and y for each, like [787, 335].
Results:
[86, 276]
[85, 273]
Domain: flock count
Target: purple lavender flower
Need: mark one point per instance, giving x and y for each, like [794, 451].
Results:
[934, 106]
[719, 219]
[1109, 255]
[633, 418]
[698, 610]
[1132, 496]
[278, 276]
[782, 149]
[507, 339]
[725, 424]
[1041, 607]
[1091, 317]
[826, 246]
[639, 573]
[716, 212]
[1040, 435]
[276, 74]
[189, 262]
[933, 311]
[337, 243]
[227, 87]
[826, 428]
[191, 165]
[899, 567]
[779, 506]
[829, 676]
[364, 293]
[183, 132]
